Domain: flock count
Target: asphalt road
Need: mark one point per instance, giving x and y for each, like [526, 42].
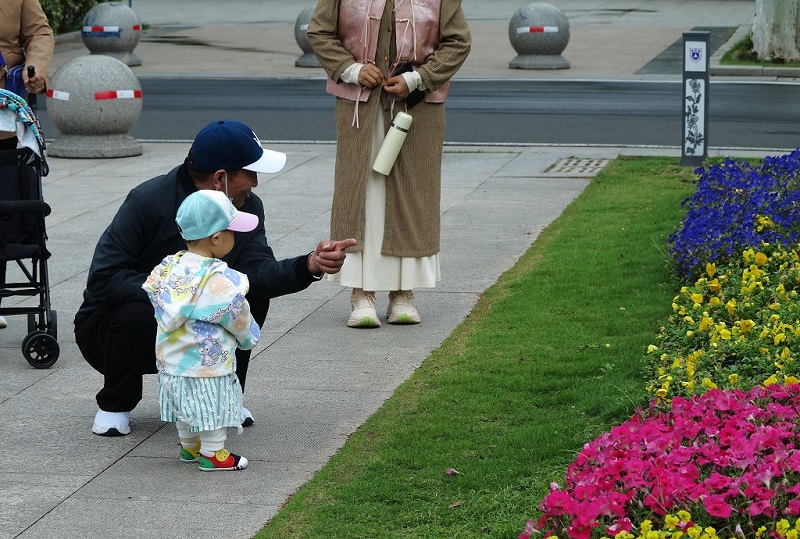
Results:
[759, 115]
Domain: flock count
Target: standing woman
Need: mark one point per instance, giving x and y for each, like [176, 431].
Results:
[25, 38]
[381, 56]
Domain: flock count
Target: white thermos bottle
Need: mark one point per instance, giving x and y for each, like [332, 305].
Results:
[394, 140]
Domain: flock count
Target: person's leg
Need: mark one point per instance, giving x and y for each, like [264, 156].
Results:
[5, 145]
[190, 442]
[120, 344]
[258, 310]
[3, 322]
[214, 456]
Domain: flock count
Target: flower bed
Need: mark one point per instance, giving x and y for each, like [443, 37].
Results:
[737, 206]
[727, 460]
[716, 454]
[738, 326]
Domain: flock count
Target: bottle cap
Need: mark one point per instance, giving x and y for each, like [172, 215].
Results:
[402, 120]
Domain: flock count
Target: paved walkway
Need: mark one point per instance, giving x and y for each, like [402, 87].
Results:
[312, 381]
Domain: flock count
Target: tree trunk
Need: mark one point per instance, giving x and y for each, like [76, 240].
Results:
[775, 30]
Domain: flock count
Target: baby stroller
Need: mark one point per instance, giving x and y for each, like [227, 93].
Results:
[22, 230]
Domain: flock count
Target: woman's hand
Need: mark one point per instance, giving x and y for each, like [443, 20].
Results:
[370, 76]
[35, 84]
[397, 87]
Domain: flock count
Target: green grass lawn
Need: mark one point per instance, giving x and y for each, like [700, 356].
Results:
[550, 358]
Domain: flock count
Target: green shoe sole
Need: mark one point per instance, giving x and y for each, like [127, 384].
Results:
[404, 319]
[366, 322]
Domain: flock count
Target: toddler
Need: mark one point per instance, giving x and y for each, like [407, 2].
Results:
[203, 317]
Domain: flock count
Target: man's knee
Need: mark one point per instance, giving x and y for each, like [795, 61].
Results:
[133, 323]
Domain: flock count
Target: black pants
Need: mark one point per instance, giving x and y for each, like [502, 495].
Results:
[6, 144]
[119, 343]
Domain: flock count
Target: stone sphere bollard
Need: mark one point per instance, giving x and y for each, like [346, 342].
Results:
[539, 33]
[308, 59]
[94, 101]
[112, 29]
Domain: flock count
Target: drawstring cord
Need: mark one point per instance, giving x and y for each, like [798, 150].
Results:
[365, 30]
[412, 23]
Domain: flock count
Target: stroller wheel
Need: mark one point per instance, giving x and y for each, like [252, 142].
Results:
[40, 349]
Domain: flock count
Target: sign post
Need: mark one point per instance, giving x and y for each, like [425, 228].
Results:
[694, 145]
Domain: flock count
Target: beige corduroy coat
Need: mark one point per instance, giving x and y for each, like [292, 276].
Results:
[413, 187]
[24, 27]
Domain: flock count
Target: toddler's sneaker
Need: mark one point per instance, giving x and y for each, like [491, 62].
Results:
[221, 460]
[190, 454]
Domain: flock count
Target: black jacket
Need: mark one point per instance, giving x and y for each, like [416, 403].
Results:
[143, 232]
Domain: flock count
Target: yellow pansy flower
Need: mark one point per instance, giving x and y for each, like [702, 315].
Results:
[711, 269]
[697, 298]
[772, 380]
[733, 379]
[790, 381]
[760, 258]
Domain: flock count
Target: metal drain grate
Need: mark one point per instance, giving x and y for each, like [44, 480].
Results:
[577, 166]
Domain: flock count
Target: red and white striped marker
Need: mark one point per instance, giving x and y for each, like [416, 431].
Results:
[107, 29]
[537, 30]
[100, 29]
[55, 94]
[118, 94]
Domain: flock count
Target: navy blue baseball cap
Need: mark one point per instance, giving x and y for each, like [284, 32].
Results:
[231, 145]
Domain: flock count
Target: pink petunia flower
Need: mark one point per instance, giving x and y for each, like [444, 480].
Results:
[716, 506]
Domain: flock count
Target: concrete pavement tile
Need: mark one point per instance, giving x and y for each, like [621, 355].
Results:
[190, 516]
[28, 497]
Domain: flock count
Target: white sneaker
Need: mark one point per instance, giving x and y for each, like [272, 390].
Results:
[111, 423]
[400, 309]
[247, 417]
[3, 323]
[363, 315]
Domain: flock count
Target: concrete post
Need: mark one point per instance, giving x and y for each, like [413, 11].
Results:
[694, 147]
[112, 29]
[94, 101]
[308, 59]
[539, 33]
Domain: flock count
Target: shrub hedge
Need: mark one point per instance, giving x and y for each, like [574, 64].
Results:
[66, 15]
